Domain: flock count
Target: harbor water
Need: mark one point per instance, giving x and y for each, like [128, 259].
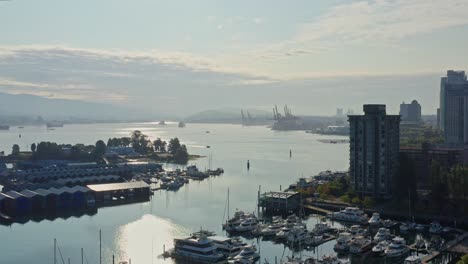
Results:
[140, 231]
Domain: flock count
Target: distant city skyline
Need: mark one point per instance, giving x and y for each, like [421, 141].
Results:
[155, 52]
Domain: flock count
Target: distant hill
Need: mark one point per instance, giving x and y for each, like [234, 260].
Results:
[31, 105]
[229, 115]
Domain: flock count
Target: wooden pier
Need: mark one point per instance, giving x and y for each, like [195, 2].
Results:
[459, 245]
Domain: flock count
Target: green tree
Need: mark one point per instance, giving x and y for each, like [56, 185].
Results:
[463, 260]
[356, 201]
[15, 150]
[174, 145]
[368, 202]
[100, 149]
[181, 155]
[33, 147]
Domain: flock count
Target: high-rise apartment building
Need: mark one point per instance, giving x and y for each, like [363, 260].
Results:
[374, 147]
[454, 107]
[411, 112]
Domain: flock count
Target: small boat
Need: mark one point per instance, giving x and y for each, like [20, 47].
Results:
[321, 228]
[435, 228]
[248, 224]
[375, 219]
[297, 235]
[272, 229]
[413, 260]
[388, 223]
[229, 247]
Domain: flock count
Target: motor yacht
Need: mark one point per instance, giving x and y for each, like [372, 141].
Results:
[413, 260]
[248, 253]
[247, 225]
[229, 247]
[419, 228]
[284, 232]
[321, 228]
[360, 245]
[379, 249]
[435, 228]
[297, 235]
[271, 230]
[375, 219]
[357, 230]
[397, 248]
[382, 234]
[329, 260]
[342, 242]
[196, 249]
[350, 214]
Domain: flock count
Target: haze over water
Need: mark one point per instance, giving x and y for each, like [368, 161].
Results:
[139, 231]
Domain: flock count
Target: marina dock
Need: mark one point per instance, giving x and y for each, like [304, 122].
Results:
[317, 209]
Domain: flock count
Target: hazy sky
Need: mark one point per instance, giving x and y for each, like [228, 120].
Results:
[194, 55]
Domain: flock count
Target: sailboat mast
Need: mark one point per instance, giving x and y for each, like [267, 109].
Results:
[100, 247]
[55, 251]
[228, 204]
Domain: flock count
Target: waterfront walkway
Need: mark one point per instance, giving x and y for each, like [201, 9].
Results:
[317, 209]
[459, 243]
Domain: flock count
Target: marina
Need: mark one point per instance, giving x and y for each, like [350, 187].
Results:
[147, 226]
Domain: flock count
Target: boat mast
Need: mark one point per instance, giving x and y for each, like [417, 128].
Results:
[100, 247]
[55, 251]
[228, 204]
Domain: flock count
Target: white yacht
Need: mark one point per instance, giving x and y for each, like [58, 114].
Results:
[357, 230]
[248, 253]
[350, 214]
[382, 234]
[342, 242]
[375, 219]
[419, 228]
[236, 220]
[435, 228]
[397, 248]
[298, 234]
[404, 228]
[321, 228]
[360, 245]
[379, 249]
[198, 249]
[284, 232]
[229, 247]
[271, 230]
[413, 260]
[248, 224]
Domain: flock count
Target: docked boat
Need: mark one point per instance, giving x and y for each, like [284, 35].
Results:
[375, 219]
[248, 253]
[248, 224]
[360, 245]
[272, 229]
[293, 219]
[357, 230]
[397, 248]
[297, 235]
[342, 242]
[382, 234]
[379, 249]
[284, 232]
[413, 260]
[196, 249]
[387, 223]
[329, 260]
[229, 247]
[419, 228]
[321, 228]
[236, 220]
[404, 228]
[435, 228]
[350, 214]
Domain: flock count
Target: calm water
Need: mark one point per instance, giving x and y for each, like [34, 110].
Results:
[139, 231]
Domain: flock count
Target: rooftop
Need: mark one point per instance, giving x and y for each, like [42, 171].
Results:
[118, 186]
[281, 195]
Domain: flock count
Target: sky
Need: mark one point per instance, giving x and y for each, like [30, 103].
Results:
[188, 56]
